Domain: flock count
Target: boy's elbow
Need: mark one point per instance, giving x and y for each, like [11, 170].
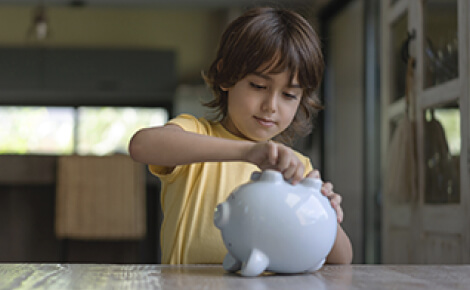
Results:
[342, 252]
[345, 253]
[135, 148]
[340, 258]
[346, 259]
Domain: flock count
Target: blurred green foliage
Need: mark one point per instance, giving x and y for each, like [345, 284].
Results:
[53, 130]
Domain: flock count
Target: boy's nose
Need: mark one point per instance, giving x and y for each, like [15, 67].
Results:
[269, 103]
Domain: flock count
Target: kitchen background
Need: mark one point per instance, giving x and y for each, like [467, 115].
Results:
[77, 78]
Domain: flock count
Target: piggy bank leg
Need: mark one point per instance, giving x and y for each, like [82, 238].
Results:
[256, 264]
[316, 267]
[231, 264]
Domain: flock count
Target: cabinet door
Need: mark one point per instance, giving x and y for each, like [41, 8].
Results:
[426, 222]
[21, 69]
[441, 112]
[399, 196]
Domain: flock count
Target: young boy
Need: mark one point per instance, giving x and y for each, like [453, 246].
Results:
[268, 66]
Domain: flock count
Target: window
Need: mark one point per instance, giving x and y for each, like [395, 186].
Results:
[36, 130]
[66, 130]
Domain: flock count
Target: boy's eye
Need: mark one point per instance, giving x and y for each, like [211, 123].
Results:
[256, 86]
[290, 96]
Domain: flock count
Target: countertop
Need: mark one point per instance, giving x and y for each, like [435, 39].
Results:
[104, 276]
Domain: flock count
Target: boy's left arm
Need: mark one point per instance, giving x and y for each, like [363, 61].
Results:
[341, 253]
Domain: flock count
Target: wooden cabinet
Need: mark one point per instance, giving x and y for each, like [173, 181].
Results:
[425, 78]
[80, 76]
[27, 211]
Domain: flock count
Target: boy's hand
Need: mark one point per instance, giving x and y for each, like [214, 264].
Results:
[271, 155]
[327, 190]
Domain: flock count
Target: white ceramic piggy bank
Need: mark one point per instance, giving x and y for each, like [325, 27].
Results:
[270, 224]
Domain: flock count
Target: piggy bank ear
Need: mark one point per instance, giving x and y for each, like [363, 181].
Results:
[255, 175]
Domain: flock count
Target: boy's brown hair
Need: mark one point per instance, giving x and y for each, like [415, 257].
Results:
[280, 38]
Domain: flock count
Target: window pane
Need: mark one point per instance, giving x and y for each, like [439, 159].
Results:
[399, 36]
[43, 130]
[442, 145]
[107, 130]
[441, 41]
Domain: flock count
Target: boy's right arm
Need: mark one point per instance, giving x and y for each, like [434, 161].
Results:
[170, 146]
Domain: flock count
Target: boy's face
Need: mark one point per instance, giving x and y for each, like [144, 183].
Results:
[262, 105]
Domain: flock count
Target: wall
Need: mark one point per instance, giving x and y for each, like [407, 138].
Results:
[344, 118]
[192, 34]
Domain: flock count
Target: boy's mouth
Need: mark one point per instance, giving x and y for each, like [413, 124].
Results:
[265, 121]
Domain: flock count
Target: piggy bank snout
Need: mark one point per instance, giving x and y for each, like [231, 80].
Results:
[221, 215]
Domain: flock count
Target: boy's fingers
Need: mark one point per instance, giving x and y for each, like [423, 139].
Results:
[299, 172]
[284, 161]
[273, 153]
[327, 189]
[295, 173]
[339, 211]
[316, 173]
[289, 173]
[337, 198]
[333, 197]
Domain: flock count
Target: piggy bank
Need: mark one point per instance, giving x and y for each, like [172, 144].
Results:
[269, 224]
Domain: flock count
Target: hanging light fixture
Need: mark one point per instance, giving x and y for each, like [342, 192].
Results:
[39, 28]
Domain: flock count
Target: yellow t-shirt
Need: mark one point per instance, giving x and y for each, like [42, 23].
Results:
[190, 194]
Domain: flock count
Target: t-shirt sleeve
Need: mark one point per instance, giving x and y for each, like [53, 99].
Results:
[308, 166]
[307, 163]
[188, 123]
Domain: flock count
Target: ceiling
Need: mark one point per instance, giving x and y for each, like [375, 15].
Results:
[171, 3]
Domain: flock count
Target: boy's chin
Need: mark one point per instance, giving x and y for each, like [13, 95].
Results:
[261, 136]
[260, 139]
